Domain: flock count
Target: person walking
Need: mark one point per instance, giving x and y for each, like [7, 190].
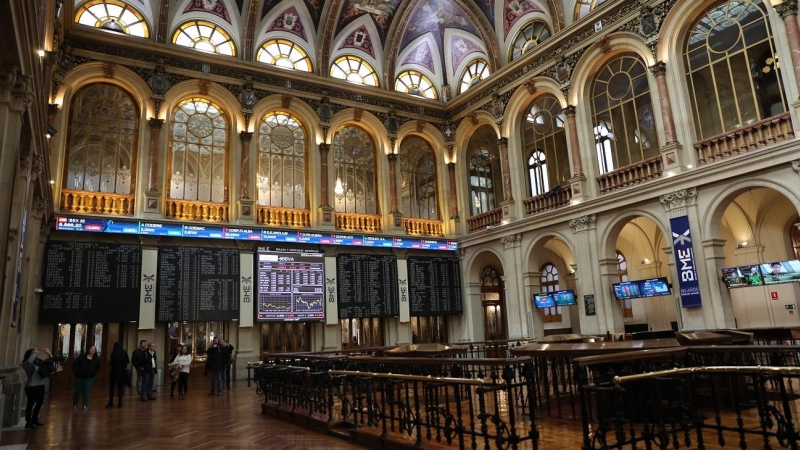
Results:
[174, 370]
[214, 365]
[137, 360]
[150, 367]
[119, 378]
[227, 351]
[34, 386]
[184, 362]
[85, 367]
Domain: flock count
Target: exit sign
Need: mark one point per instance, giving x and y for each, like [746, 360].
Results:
[788, 306]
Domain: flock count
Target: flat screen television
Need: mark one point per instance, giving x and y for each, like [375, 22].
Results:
[654, 287]
[627, 290]
[564, 298]
[781, 272]
[743, 276]
[543, 300]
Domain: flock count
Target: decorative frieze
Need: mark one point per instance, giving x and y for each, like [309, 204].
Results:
[583, 223]
[679, 199]
[796, 166]
[511, 241]
[787, 8]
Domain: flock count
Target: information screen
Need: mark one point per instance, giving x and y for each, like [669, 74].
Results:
[654, 287]
[291, 284]
[781, 272]
[90, 282]
[434, 286]
[197, 284]
[564, 298]
[543, 300]
[367, 286]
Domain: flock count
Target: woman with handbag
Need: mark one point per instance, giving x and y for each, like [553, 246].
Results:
[183, 361]
[34, 386]
[119, 374]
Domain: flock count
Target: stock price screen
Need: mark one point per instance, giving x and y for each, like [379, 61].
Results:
[291, 284]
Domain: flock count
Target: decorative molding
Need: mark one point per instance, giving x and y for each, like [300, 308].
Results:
[245, 246]
[796, 166]
[19, 86]
[108, 69]
[38, 208]
[787, 8]
[658, 69]
[512, 241]
[203, 88]
[150, 241]
[679, 199]
[462, 253]
[286, 101]
[357, 113]
[37, 166]
[421, 126]
[583, 223]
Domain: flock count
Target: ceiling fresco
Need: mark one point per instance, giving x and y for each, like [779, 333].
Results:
[381, 12]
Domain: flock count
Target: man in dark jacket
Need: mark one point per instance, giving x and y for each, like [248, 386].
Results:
[137, 359]
[118, 365]
[150, 368]
[227, 361]
[215, 365]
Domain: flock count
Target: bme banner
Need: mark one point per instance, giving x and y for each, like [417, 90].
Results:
[685, 262]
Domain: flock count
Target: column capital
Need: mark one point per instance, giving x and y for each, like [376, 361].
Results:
[156, 124]
[38, 207]
[787, 8]
[679, 199]
[511, 241]
[52, 109]
[502, 141]
[16, 88]
[569, 110]
[245, 136]
[392, 157]
[451, 166]
[584, 223]
[324, 147]
[658, 69]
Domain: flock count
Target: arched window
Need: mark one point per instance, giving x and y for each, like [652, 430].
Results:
[732, 69]
[624, 126]
[415, 83]
[284, 53]
[101, 150]
[198, 154]
[354, 165]
[476, 71]
[418, 179]
[484, 171]
[584, 7]
[622, 271]
[796, 240]
[281, 162]
[544, 142]
[528, 37]
[112, 15]
[355, 70]
[548, 282]
[204, 36]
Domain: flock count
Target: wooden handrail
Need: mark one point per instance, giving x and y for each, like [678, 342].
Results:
[702, 370]
[392, 376]
[422, 227]
[632, 174]
[357, 222]
[481, 221]
[749, 137]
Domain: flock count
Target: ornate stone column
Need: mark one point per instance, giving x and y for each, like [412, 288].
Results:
[152, 206]
[672, 151]
[451, 173]
[517, 304]
[505, 171]
[396, 216]
[577, 182]
[246, 213]
[788, 12]
[595, 279]
[325, 208]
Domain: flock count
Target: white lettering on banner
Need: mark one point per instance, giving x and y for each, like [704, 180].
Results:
[687, 266]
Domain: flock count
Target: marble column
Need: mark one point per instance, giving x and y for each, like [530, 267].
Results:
[396, 217]
[505, 169]
[532, 285]
[246, 213]
[152, 196]
[325, 208]
[574, 145]
[788, 12]
[517, 305]
[659, 70]
[451, 174]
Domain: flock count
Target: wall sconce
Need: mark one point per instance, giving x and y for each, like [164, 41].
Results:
[743, 244]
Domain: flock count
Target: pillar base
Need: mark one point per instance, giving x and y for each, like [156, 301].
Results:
[508, 211]
[152, 204]
[672, 159]
[395, 223]
[579, 189]
[325, 217]
[247, 212]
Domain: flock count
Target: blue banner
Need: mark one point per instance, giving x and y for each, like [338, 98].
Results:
[689, 287]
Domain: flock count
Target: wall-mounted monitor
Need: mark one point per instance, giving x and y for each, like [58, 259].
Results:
[627, 290]
[781, 272]
[564, 298]
[742, 276]
[543, 300]
[654, 287]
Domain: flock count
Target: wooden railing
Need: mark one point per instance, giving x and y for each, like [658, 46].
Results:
[751, 137]
[422, 227]
[286, 217]
[547, 201]
[194, 210]
[487, 219]
[630, 175]
[96, 202]
[358, 222]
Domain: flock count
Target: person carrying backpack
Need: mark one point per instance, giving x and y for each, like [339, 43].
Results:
[34, 386]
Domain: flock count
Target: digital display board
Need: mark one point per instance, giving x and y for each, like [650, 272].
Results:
[654, 287]
[367, 286]
[434, 286]
[543, 300]
[781, 272]
[564, 298]
[742, 276]
[290, 284]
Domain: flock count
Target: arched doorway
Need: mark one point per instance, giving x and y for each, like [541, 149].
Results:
[551, 268]
[493, 305]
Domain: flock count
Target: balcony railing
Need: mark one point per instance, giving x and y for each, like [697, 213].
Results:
[96, 202]
[194, 210]
[748, 138]
[487, 219]
[547, 201]
[631, 175]
[422, 227]
[284, 217]
[358, 222]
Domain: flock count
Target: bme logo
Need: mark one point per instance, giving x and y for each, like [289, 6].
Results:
[149, 285]
[681, 239]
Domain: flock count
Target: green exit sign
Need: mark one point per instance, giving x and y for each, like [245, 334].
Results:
[788, 306]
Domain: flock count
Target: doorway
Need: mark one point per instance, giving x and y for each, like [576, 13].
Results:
[493, 303]
[73, 339]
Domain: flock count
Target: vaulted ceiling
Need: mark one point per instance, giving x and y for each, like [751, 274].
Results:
[437, 38]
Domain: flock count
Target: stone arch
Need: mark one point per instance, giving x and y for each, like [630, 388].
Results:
[521, 100]
[612, 230]
[92, 72]
[216, 93]
[298, 108]
[540, 241]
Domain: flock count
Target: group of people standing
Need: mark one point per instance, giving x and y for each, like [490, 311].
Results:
[219, 360]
